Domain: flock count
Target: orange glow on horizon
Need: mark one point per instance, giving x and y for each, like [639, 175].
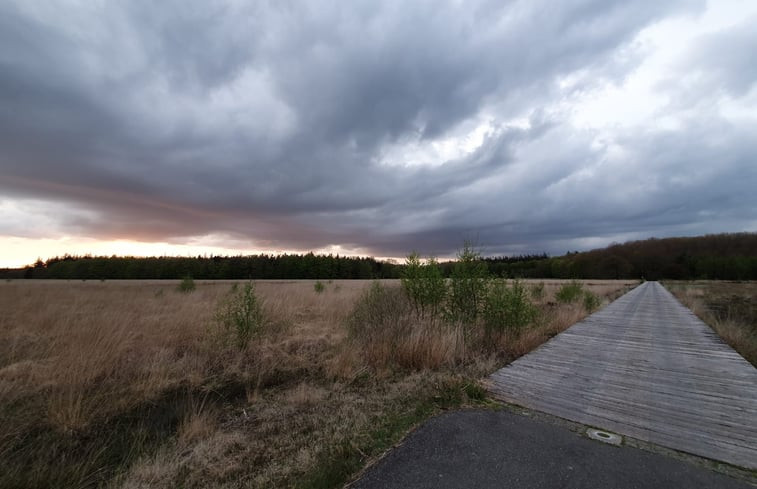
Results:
[19, 252]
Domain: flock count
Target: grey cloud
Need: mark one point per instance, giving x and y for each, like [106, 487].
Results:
[727, 59]
[698, 179]
[267, 121]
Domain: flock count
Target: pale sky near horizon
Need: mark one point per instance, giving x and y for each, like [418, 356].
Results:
[375, 128]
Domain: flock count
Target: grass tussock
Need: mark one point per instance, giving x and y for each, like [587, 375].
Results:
[137, 384]
[730, 308]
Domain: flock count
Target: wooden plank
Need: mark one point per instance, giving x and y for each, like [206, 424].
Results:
[654, 413]
[696, 401]
[644, 366]
[737, 392]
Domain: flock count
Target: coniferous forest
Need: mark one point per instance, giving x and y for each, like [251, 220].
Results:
[716, 257]
[264, 266]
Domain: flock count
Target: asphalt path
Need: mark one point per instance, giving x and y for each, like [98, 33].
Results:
[503, 449]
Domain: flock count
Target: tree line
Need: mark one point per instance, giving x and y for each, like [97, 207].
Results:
[264, 266]
[716, 257]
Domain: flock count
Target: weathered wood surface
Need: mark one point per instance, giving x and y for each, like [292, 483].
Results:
[644, 366]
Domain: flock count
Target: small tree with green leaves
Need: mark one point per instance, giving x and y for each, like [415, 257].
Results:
[241, 315]
[433, 287]
[411, 280]
[468, 285]
[423, 284]
[507, 308]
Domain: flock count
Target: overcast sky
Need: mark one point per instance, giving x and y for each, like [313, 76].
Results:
[375, 128]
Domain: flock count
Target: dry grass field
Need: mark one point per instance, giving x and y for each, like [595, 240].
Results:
[134, 384]
[730, 308]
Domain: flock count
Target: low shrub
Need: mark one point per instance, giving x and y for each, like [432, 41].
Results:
[319, 287]
[380, 314]
[537, 291]
[570, 292]
[591, 301]
[507, 307]
[186, 285]
[384, 327]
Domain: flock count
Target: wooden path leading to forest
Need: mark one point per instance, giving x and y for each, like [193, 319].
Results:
[644, 366]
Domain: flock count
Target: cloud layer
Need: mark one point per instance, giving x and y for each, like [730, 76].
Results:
[378, 127]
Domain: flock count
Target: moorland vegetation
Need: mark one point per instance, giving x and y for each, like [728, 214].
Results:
[197, 383]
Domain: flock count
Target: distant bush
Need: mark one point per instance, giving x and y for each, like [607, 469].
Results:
[570, 292]
[241, 315]
[537, 291]
[591, 301]
[507, 307]
[186, 285]
[319, 287]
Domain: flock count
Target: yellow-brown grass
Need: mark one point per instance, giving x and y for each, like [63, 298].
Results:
[730, 308]
[87, 368]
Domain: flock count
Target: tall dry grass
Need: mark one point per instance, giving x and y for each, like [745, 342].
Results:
[122, 384]
[730, 308]
[78, 358]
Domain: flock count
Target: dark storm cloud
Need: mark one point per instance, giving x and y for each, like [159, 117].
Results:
[270, 121]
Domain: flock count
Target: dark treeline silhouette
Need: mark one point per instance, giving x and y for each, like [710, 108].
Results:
[308, 266]
[507, 266]
[717, 257]
[515, 259]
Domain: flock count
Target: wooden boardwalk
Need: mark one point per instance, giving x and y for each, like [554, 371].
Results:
[644, 366]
